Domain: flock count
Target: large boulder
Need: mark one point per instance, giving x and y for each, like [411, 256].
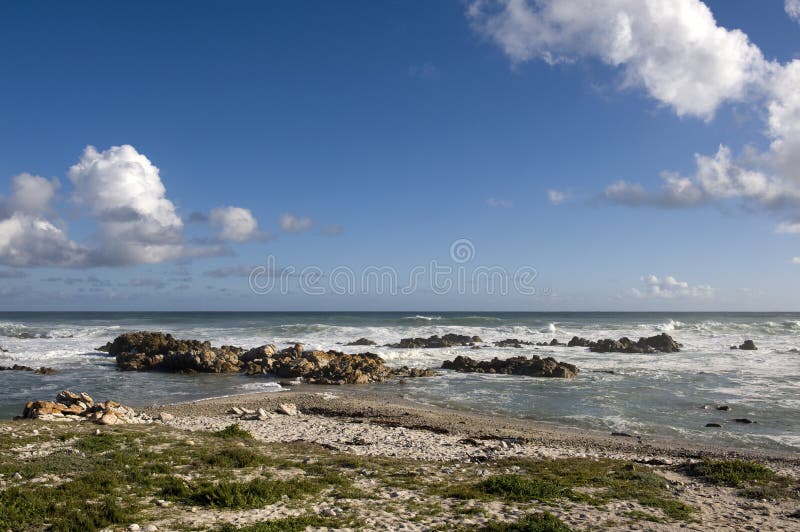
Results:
[70, 406]
[362, 342]
[435, 341]
[748, 345]
[143, 350]
[663, 343]
[531, 367]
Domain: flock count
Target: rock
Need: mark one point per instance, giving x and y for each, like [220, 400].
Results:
[151, 528]
[39, 371]
[448, 340]
[405, 371]
[262, 415]
[139, 351]
[288, 382]
[287, 409]
[744, 420]
[724, 408]
[2, 350]
[259, 353]
[362, 341]
[165, 416]
[72, 406]
[134, 528]
[532, 367]
[748, 345]
[552, 343]
[662, 343]
[512, 342]
[579, 342]
[713, 425]
[17, 476]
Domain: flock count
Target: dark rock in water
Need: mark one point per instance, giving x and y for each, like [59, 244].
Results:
[3, 350]
[448, 340]
[552, 343]
[744, 420]
[579, 342]
[512, 342]
[362, 341]
[748, 345]
[713, 425]
[622, 434]
[660, 343]
[724, 408]
[157, 351]
[104, 348]
[39, 371]
[531, 367]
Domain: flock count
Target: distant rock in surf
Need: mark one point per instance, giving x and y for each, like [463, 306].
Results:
[39, 371]
[512, 342]
[362, 341]
[662, 343]
[448, 340]
[748, 345]
[531, 367]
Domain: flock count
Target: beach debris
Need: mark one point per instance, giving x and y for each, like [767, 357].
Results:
[531, 367]
[435, 341]
[362, 341]
[747, 345]
[287, 409]
[39, 371]
[70, 406]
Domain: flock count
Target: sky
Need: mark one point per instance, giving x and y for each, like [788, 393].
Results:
[400, 155]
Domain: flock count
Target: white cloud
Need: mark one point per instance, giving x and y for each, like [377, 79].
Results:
[28, 240]
[236, 224]
[123, 191]
[499, 203]
[294, 224]
[795, 260]
[789, 227]
[669, 288]
[674, 49]
[333, 229]
[30, 194]
[792, 8]
[557, 197]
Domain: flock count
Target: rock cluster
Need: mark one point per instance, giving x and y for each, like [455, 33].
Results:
[70, 406]
[512, 342]
[435, 341]
[39, 371]
[531, 367]
[662, 343]
[157, 351]
[154, 350]
[362, 341]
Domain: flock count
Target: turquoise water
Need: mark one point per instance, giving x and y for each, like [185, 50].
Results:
[654, 394]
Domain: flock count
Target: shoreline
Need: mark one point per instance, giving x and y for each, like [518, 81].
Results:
[348, 404]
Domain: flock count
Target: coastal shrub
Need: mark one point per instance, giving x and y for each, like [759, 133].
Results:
[235, 457]
[252, 494]
[755, 480]
[519, 488]
[534, 522]
[233, 431]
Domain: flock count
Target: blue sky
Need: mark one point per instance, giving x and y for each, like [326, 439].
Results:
[153, 154]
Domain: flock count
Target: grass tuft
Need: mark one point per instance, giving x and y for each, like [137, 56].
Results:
[535, 522]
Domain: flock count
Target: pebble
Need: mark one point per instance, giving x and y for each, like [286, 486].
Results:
[190, 443]
[151, 528]
[17, 476]
[134, 527]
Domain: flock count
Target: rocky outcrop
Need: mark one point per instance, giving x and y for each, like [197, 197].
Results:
[39, 371]
[362, 341]
[662, 343]
[748, 345]
[448, 340]
[552, 343]
[140, 351]
[70, 406]
[531, 367]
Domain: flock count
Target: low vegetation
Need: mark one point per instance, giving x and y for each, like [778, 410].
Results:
[754, 480]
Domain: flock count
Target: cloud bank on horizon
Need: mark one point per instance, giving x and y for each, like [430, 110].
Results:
[120, 190]
[677, 53]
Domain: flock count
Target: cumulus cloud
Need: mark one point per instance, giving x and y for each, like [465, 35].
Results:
[123, 190]
[295, 224]
[499, 203]
[792, 8]
[673, 49]
[795, 260]
[557, 197]
[235, 223]
[27, 240]
[669, 288]
[30, 194]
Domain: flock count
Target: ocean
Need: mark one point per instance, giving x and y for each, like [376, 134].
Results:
[649, 394]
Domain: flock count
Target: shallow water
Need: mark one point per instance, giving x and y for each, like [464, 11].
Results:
[656, 394]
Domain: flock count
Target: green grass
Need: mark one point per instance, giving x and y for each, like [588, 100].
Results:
[253, 494]
[233, 431]
[509, 487]
[534, 522]
[287, 524]
[755, 481]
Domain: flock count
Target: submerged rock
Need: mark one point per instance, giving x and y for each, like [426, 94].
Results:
[448, 340]
[39, 371]
[531, 367]
[512, 342]
[552, 343]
